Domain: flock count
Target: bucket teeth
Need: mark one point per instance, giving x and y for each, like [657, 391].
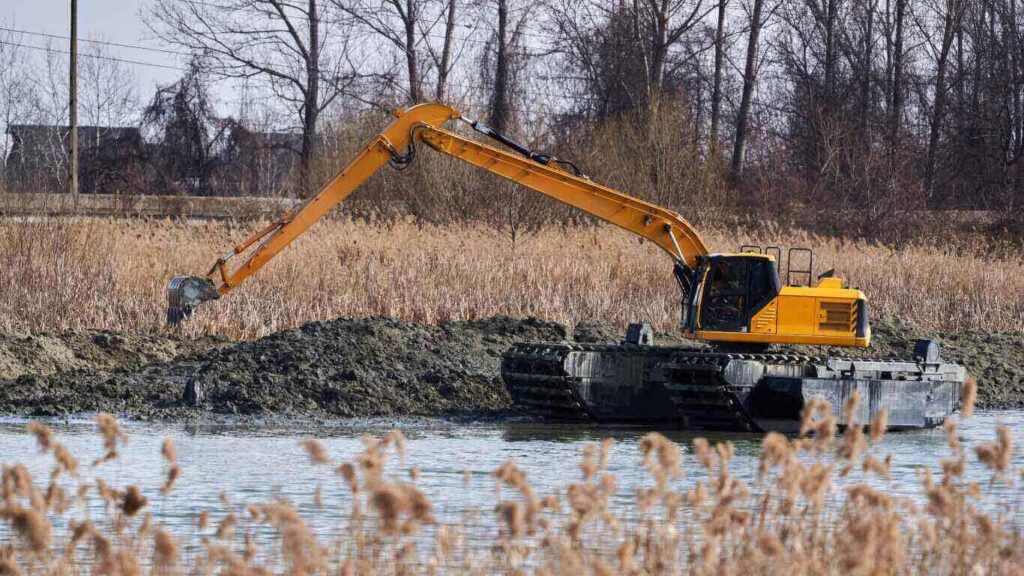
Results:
[184, 294]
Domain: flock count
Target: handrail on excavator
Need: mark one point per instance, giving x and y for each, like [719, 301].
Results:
[556, 178]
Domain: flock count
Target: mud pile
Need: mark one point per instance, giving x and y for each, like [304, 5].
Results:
[376, 367]
[44, 354]
[338, 368]
[360, 367]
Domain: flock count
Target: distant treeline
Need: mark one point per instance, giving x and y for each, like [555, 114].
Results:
[849, 116]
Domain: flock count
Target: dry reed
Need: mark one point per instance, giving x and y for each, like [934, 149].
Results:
[107, 273]
[698, 519]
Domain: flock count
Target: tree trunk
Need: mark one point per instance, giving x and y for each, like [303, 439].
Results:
[951, 22]
[500, 116]
[961, 77]
[1013, 57]
[412, 62]
[716, 89]
[896, 107]
[865, 86]
[830, 48]
[73, 103]
[656, 76]
[311, 103]
[749, 79]
[446, 53]
[887, 32]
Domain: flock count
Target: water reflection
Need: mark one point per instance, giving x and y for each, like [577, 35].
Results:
[256, 462]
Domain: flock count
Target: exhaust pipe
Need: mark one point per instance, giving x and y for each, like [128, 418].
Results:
[185, 294]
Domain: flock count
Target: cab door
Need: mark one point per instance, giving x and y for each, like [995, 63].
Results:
[738, 289]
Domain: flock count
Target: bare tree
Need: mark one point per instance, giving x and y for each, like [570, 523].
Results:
[399, 23]
[15, 87]
[749, 80]
[897, 59]
[628, 53]
[292, 45]
[446, 60]
[411, 28]
[108, 90]
[671, 20]
[181, 119]
[501, 97]
[716, 88]
[867, 63]
[952, 12]
[49, 106]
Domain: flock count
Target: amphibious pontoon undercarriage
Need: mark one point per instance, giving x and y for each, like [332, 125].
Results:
[723, 391]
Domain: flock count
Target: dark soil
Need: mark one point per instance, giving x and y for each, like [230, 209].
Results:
[339, 368]
[364, 367]
[44, 354]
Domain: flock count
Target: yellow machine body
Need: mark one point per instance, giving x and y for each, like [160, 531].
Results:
[728, 298]
[739, 299]
[819, 315]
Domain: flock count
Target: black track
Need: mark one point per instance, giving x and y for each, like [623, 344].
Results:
[543, 383]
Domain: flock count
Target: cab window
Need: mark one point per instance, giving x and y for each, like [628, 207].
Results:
[725, 296]
[737, 288]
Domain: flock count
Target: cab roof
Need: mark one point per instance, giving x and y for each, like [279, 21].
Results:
[748, 255]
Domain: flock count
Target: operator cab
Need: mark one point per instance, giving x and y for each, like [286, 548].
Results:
[728, 290]
[740, 302]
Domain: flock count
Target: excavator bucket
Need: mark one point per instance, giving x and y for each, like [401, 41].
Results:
[185, 294]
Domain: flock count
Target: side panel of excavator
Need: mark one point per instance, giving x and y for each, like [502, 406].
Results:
[798, 316]
[739, 299]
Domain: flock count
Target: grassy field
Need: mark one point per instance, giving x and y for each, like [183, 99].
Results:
[692, 517]
[109, 273]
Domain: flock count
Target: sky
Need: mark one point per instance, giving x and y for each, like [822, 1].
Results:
[109, 20]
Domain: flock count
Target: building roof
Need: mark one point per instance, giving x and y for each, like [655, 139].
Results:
[24, 132]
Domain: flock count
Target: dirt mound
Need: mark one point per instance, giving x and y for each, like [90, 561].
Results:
[374, 367]
[44, 354]
[596, 332]
[345, 367]
[361, 367]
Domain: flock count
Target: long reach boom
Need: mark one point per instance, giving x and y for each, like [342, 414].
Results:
[423, 123]
[736, 300]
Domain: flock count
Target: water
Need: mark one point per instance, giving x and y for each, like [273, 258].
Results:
[255, 464]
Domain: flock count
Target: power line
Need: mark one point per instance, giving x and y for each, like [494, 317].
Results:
[179, 69]
[522, 52]
[102, 42]
[95, 56]
[471, 27]
[187, 54]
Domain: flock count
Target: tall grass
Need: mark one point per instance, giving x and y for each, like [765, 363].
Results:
[61, 274]
[819, 505]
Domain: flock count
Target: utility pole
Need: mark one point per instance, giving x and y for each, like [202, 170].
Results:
[73, 91]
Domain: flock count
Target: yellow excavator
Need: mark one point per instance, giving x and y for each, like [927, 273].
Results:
[728, 298]
[735, 301]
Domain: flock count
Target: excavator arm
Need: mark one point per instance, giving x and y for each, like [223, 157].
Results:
[423, 123]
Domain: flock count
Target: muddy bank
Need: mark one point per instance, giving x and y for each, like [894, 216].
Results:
[339, 368]
[357, 367]
[44, 354]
